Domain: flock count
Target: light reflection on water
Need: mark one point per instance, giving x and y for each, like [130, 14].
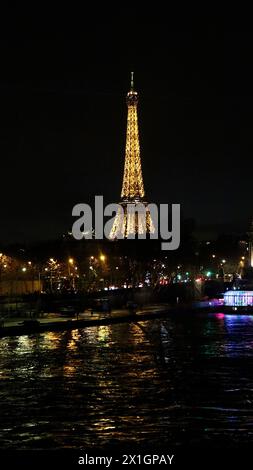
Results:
[183, 380]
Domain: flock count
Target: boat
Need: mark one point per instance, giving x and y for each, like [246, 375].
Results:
[240, 296]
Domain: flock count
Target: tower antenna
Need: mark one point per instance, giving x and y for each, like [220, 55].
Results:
[132, 80]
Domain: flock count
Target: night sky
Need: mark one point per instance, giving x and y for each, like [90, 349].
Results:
[63, 118]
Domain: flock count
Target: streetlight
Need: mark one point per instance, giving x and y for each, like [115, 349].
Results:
[102, 258]
[70, 263]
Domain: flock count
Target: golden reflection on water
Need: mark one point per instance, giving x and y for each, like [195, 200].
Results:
[73, 340]
[105, 424]
[76, 335]
[137, 332]
[25, 344]
[51, 340]
[69, 370]
[112, 387]
[103, 333]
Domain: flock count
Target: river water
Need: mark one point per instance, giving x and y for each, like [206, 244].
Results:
[182, 380]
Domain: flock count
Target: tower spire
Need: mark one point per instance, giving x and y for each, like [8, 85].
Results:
[132, 81]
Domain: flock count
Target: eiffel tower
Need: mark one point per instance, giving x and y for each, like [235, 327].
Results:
[128, 223]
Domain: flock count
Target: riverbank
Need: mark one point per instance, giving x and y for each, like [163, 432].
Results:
[54, 322]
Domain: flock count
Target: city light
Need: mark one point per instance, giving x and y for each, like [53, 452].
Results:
[238, 298]
[102, 258]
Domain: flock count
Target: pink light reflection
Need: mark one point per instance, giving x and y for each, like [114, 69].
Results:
[220, 316]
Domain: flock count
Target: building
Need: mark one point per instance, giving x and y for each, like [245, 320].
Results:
[133, 217]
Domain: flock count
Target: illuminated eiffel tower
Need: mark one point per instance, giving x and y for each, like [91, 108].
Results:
[128, 223]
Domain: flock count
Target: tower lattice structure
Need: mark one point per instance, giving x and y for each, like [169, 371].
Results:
[129, 223]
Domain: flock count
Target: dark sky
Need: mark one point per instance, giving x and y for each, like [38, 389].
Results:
[63, 117]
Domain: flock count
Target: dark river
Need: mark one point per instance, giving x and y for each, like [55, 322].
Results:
[179, 381]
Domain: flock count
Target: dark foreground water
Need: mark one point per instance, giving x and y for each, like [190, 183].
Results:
[178, 381]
